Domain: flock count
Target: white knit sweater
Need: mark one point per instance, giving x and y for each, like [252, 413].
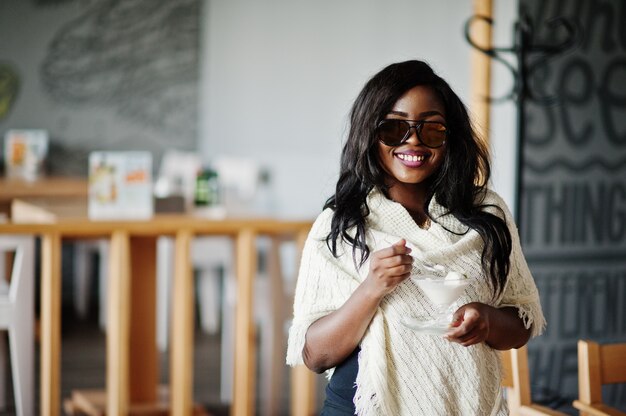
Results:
[402, 372]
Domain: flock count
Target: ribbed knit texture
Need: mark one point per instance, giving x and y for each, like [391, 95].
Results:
[402, 372]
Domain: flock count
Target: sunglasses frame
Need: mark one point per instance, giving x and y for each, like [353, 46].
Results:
[413, 124]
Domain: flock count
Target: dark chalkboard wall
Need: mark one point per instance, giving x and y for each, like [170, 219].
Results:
[100, 75]
[573, 214]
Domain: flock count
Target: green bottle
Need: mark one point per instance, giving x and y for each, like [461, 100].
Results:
[207, 188]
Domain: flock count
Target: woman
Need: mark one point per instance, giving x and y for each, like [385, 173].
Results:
[411, 192]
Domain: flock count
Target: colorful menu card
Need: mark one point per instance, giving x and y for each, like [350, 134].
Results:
[25, 153]
[120, 185]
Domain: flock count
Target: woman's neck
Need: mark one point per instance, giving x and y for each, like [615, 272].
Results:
[411, 197]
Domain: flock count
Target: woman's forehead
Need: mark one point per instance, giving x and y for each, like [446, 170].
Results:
[417, 100]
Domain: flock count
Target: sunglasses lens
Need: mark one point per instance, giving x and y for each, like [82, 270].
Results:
[433, 134]
[391, 132]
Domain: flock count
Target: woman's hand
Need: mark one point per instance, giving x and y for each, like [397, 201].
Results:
[500, 328]
[388, 268]
[470, 324]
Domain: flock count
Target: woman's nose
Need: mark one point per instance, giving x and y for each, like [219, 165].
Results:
[413, 138]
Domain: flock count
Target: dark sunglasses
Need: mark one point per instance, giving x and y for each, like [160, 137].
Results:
[394, 132]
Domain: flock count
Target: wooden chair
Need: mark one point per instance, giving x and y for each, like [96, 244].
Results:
[598, 365]
[517, 383]
[17, 315]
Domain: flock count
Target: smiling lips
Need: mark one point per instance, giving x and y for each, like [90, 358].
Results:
[411, 159]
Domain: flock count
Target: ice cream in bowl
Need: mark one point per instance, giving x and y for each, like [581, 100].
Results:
[442, 292]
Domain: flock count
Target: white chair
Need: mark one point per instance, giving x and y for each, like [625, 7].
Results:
[17, 318]
[241, 182]
[238, 178]
[177, 174]
[213, 258]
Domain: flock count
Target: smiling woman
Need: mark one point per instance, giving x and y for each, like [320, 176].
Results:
[411, 193]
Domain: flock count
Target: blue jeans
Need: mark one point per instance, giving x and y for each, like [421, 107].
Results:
[342, 387]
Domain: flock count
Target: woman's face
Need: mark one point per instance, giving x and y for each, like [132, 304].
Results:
[412, 162]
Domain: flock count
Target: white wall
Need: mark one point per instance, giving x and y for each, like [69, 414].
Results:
[278, 78]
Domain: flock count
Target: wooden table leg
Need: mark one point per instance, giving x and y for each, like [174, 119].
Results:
[144, 354]
[132, 356]
[302, 391]
[118, 326]
[181, 371]
[245, 339]
[302, 379]
[50, 324]
[270, 383]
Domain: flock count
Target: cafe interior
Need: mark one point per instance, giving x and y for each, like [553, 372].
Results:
[162, 163]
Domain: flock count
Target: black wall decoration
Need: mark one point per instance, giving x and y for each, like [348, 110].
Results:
[101, 75]
[572, 189]
[137, 56]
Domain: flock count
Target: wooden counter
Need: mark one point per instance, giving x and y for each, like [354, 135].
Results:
[132, 364]
[54, 188]
[49, 186]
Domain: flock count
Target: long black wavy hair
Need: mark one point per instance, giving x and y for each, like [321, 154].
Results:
[459, 184]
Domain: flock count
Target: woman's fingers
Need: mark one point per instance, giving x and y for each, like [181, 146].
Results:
[393, 260]
[470, 325]
[398, 248]
[392, 272]
[390, 266]
[470, 338]
[471, 341]
[393, 267]
[398, 260]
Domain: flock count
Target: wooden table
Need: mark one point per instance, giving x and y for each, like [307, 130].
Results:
[132, 357]
[52, 188]
[47, 186]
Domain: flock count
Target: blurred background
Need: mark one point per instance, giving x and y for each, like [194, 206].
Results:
[271, 82]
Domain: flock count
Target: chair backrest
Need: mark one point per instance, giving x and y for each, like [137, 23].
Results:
[516, 378]
[17, 253]
[17, 261]
[17, 310]
[598, 365]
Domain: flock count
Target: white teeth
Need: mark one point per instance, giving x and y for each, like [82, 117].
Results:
[411, 158]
